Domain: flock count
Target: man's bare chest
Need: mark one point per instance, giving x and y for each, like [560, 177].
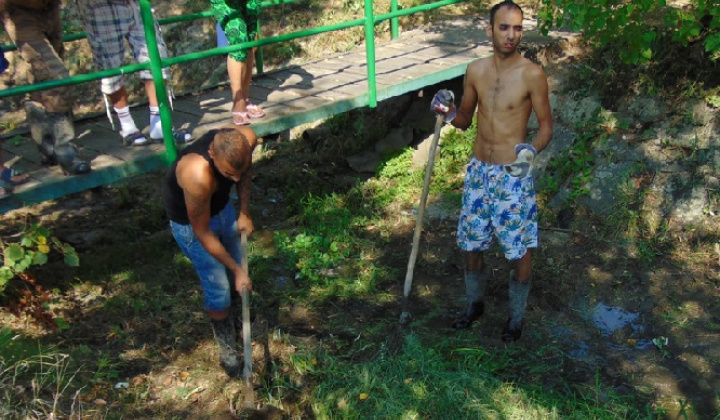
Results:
[503, 95]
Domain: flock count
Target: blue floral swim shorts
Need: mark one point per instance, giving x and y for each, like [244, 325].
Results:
[498, 205]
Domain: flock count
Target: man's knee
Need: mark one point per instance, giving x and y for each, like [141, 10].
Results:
[111, 85]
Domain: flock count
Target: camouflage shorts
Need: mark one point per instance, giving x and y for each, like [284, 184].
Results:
[38, 37]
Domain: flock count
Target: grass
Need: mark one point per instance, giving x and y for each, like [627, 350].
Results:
[138, 325]
[134, 309]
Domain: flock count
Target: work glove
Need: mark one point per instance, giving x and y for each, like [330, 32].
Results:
[523, 163]
[443, 103]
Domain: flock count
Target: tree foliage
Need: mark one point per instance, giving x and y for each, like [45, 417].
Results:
[634, 26]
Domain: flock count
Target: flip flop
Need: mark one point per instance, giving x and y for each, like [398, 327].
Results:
[253, 110]
[13, 177]
[240, 118]
[134, 139]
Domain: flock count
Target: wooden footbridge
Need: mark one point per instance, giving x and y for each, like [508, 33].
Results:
[291, 97]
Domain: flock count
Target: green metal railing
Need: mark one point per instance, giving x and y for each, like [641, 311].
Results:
[156, 63]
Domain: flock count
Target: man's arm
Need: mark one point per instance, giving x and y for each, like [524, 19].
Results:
[244, 187]
[537, 80]
[468, 103]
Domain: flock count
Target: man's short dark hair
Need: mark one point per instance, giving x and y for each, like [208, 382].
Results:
[231, 144]
[506, 3]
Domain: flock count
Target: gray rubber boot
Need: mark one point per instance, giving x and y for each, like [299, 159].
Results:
[518, 291]
[53, 131]
[224, 333]
[475, 283]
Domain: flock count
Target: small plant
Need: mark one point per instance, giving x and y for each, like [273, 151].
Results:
[33, 380]
[714, 101]
[35, 245]
[33, 249]
[575, 165]
[660, 343]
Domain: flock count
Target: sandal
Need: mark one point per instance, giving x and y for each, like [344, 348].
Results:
[240, 118]
[134, 139]
[13, 177]
[253, 110]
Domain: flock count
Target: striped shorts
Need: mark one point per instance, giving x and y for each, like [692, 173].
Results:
[108, 23]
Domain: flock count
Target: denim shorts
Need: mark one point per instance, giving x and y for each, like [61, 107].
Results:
[217, 281]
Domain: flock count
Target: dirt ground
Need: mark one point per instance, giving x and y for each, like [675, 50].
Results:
[598, 306]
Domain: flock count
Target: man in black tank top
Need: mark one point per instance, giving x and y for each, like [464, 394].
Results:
[204, 223]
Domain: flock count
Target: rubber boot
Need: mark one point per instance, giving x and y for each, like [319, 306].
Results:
[52, 131]
[224, 333]
[475, 282]
[518, 291]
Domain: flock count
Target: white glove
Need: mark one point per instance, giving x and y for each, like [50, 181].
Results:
[443, 103]
[524, 161]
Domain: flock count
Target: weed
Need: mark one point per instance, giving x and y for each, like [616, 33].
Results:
[43, 373]
[574, 166]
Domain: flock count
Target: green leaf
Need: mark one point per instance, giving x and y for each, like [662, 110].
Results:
[6, 273]
[39, 258]
[62, 323]
[13, 253]
[22, 265]
[41, 231]
[72, 260]
[646, 53]
[16, 140]
[712, 43]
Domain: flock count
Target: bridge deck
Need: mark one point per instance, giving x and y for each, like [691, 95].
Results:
[291, 97]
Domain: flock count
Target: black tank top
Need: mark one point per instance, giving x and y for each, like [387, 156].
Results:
[173, 196]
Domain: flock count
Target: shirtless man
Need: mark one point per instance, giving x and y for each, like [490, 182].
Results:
[203, 221]
[499, 197]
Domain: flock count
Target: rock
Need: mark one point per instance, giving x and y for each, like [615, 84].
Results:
[575, 111]
[366, 161]
[396, 139]
[419, 117]
[604, 187]
[617, 149]
[688, 201]
[533, 122]
[422, 153]
[643, 109]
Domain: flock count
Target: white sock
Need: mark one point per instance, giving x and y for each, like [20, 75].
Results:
[127, 124]
[155, 125]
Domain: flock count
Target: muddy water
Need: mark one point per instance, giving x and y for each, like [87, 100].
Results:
[609, 319]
